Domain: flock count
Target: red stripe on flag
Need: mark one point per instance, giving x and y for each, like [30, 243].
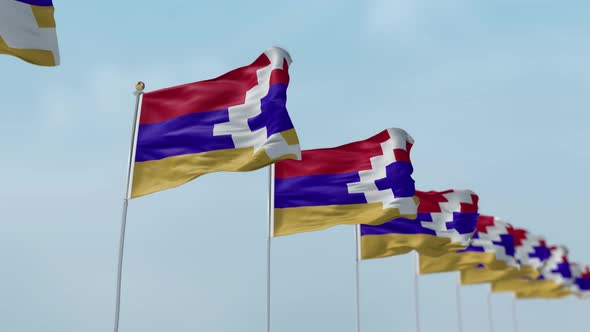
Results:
[352, 157]
[471, 208]
[211, 95]
[519, 235]
[430, 201]
[280, 76]
[483, 222]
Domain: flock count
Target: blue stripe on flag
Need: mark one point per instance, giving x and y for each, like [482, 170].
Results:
[44, 3]
[187, 134]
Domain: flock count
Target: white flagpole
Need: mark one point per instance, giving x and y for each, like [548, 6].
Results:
[139, 86]
[357, 249]
[271, 197]
[459, 313]
[490, 317]
[416, 294]
[514, 319]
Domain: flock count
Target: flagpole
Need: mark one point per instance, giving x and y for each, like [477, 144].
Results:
[514, 320]
[490, 318]
[416, 300]
[357, 240]
[271, 194]
[139, 86]
[459, 314]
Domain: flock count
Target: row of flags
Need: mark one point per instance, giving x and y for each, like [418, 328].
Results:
[239, 122]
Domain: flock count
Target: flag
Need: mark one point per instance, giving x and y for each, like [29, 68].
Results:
[530, 253]
[581, 284]
[445, 223]
[236, 122]
[365, 182]
[27, 31]
[492, 247]
[555, 280]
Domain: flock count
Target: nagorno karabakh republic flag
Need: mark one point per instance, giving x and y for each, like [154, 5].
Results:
[27, 31]
[532, 254]
[555, 280]
[445, 223]
[530, 251]
[492, 247]
[365, 182]
[236, 122]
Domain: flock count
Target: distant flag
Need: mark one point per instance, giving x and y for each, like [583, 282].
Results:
[530, 253]
[492, 247]
[445, 223]
[235, 122]
[556, 278]
[362, 182]
[27, 31]
[581, 284]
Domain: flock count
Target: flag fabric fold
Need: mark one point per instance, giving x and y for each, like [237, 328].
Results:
[530, 253]
[27, 31]
[366, 182]
[445, 222]
[492, 247]
[581, 284]
[555, 280]
[235, 122]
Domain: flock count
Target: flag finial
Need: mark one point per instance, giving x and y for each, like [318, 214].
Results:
[139, 86]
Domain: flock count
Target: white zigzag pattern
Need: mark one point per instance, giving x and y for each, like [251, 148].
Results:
[366, 185]
[439, 220]
[274, 146]
[527, 248]
[577, 271]
[493, 234]
[557, 256]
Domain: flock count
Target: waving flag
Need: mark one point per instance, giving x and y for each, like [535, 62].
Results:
[445, 223]
[236, 122]
[27, 31]
[492, 247]
[581, 284]
[530, 253]
[555, 280]
[365, 182]
[531, 250]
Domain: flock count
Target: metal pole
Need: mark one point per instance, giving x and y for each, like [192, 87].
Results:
[357, 276]
[416, 294]
[139, 86]
[271, 171]
[459, 314]
[514, 320]
[490, 317]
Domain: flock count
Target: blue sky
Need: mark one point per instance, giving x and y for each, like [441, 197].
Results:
[494, 93]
